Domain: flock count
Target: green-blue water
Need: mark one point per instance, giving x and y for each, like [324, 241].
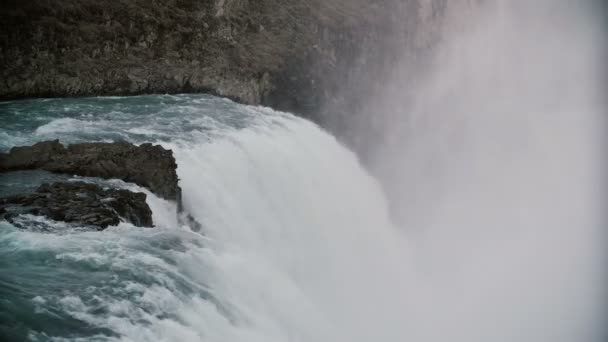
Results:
[286, 212]
[71, 284]
[51, 281]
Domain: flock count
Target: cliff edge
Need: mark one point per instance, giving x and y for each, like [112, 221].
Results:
[289, 54]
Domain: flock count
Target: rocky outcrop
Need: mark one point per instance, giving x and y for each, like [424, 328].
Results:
[328, 60]
[146, 165]
[80, 203]
[290, 54]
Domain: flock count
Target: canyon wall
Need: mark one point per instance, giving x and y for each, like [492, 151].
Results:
[308, 57]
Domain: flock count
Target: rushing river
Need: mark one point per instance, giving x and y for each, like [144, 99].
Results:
[296, 244]
[289, 220]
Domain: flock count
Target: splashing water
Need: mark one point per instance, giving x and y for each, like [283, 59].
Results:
[296, 242]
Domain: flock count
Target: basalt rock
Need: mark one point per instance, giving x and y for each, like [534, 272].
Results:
[288, 54]
[147, 165]
[80, 203]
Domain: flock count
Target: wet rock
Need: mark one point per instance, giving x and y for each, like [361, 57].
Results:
[80, 203]
[187, 219]
[147, 165]
[31, 157]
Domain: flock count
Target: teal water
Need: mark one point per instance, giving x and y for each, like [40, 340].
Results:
[137, 119]
[48, 280]
[297, 244]
[268, 265]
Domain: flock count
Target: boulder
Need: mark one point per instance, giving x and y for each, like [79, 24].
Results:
[147, 165]
[80, 203]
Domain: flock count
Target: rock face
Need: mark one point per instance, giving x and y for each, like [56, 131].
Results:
[330, 61]
[80, 203]
[289, 54]
[146, 165]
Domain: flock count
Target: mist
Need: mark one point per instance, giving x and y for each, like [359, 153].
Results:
[493, 164]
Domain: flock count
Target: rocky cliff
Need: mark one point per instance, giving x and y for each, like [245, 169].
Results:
[289, 54]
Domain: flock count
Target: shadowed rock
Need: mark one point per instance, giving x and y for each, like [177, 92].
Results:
[147, 165]
[283, 52]
[80, 203]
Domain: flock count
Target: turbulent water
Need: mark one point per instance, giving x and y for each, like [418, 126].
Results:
[295, 244]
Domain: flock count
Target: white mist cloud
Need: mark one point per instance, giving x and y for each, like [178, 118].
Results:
[495, 171]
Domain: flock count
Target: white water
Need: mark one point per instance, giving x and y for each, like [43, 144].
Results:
[297, 246]
[302, 246]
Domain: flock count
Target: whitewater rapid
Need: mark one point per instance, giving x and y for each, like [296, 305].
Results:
[302, 235]
[296, 241]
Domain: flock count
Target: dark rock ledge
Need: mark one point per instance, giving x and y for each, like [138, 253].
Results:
[146, 165]
[87, 204]
[80, 203]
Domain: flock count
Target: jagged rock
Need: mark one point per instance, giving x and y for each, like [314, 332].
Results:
[146, 165]
[80, 203]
